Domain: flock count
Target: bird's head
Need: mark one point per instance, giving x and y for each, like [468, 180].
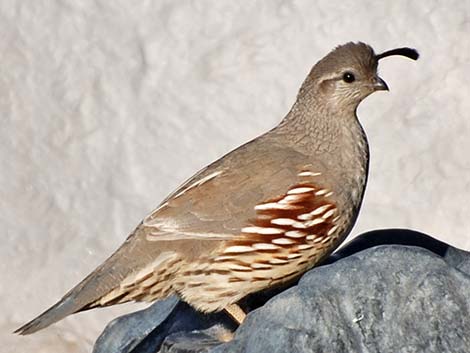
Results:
[348, 74]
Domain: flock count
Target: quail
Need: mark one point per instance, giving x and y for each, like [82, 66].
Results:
[261, 215]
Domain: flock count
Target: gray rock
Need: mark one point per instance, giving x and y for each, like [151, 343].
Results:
[170, 321]
[387, 291]
[385, 299]
[127, 332]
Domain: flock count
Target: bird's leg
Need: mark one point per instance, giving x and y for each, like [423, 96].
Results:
[236, 313]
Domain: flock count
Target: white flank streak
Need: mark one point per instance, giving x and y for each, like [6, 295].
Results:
[329, 194]
[260, 266]
[304, 246]
[283, 241]
[314, 222]
[308, 174]
[251, 229]
[130, 281]
[199, 182]
[299, 225]
[149, 282]
[283, 221]
[320, 209]
[222, 258]
[321, 192]
[164, 256]
[265, 246]
[273, 206]
[278, 261]
[269, 231]
[295, 234]
[332, 230]
[317, 240]
[329, 213]
[289, 199]
[238, 249]
[262, 230]
[169, 231]
[300, 190]
[294, 256]
[305, 217]
[267, 206]
[311, 236]
[326, 240]
[238, 267]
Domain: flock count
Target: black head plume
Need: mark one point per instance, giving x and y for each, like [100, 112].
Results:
[408, 52]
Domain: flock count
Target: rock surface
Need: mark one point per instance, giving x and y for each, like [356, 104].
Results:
[387, 291]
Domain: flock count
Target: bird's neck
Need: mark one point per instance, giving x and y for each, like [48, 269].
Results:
[316, 128]
[335, 138]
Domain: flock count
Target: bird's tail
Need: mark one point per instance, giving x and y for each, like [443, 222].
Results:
[100, 287]
[77, 299]
[66, 306]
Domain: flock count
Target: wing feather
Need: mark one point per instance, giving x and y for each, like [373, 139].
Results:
[220, 200]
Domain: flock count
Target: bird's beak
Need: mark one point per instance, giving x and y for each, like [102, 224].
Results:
[379, 84]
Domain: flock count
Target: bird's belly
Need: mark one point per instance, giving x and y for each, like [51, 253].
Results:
[213, 284]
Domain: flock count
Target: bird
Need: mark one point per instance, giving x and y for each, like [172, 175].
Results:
[260, 216]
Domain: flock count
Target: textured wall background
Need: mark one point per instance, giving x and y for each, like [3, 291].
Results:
[106, 106]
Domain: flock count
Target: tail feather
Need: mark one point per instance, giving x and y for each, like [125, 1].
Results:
[95, 285]
[66, 306]
[107, 278]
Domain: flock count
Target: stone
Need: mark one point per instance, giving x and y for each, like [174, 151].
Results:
[389, 290]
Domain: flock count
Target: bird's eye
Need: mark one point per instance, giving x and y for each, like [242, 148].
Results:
[348, 77]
